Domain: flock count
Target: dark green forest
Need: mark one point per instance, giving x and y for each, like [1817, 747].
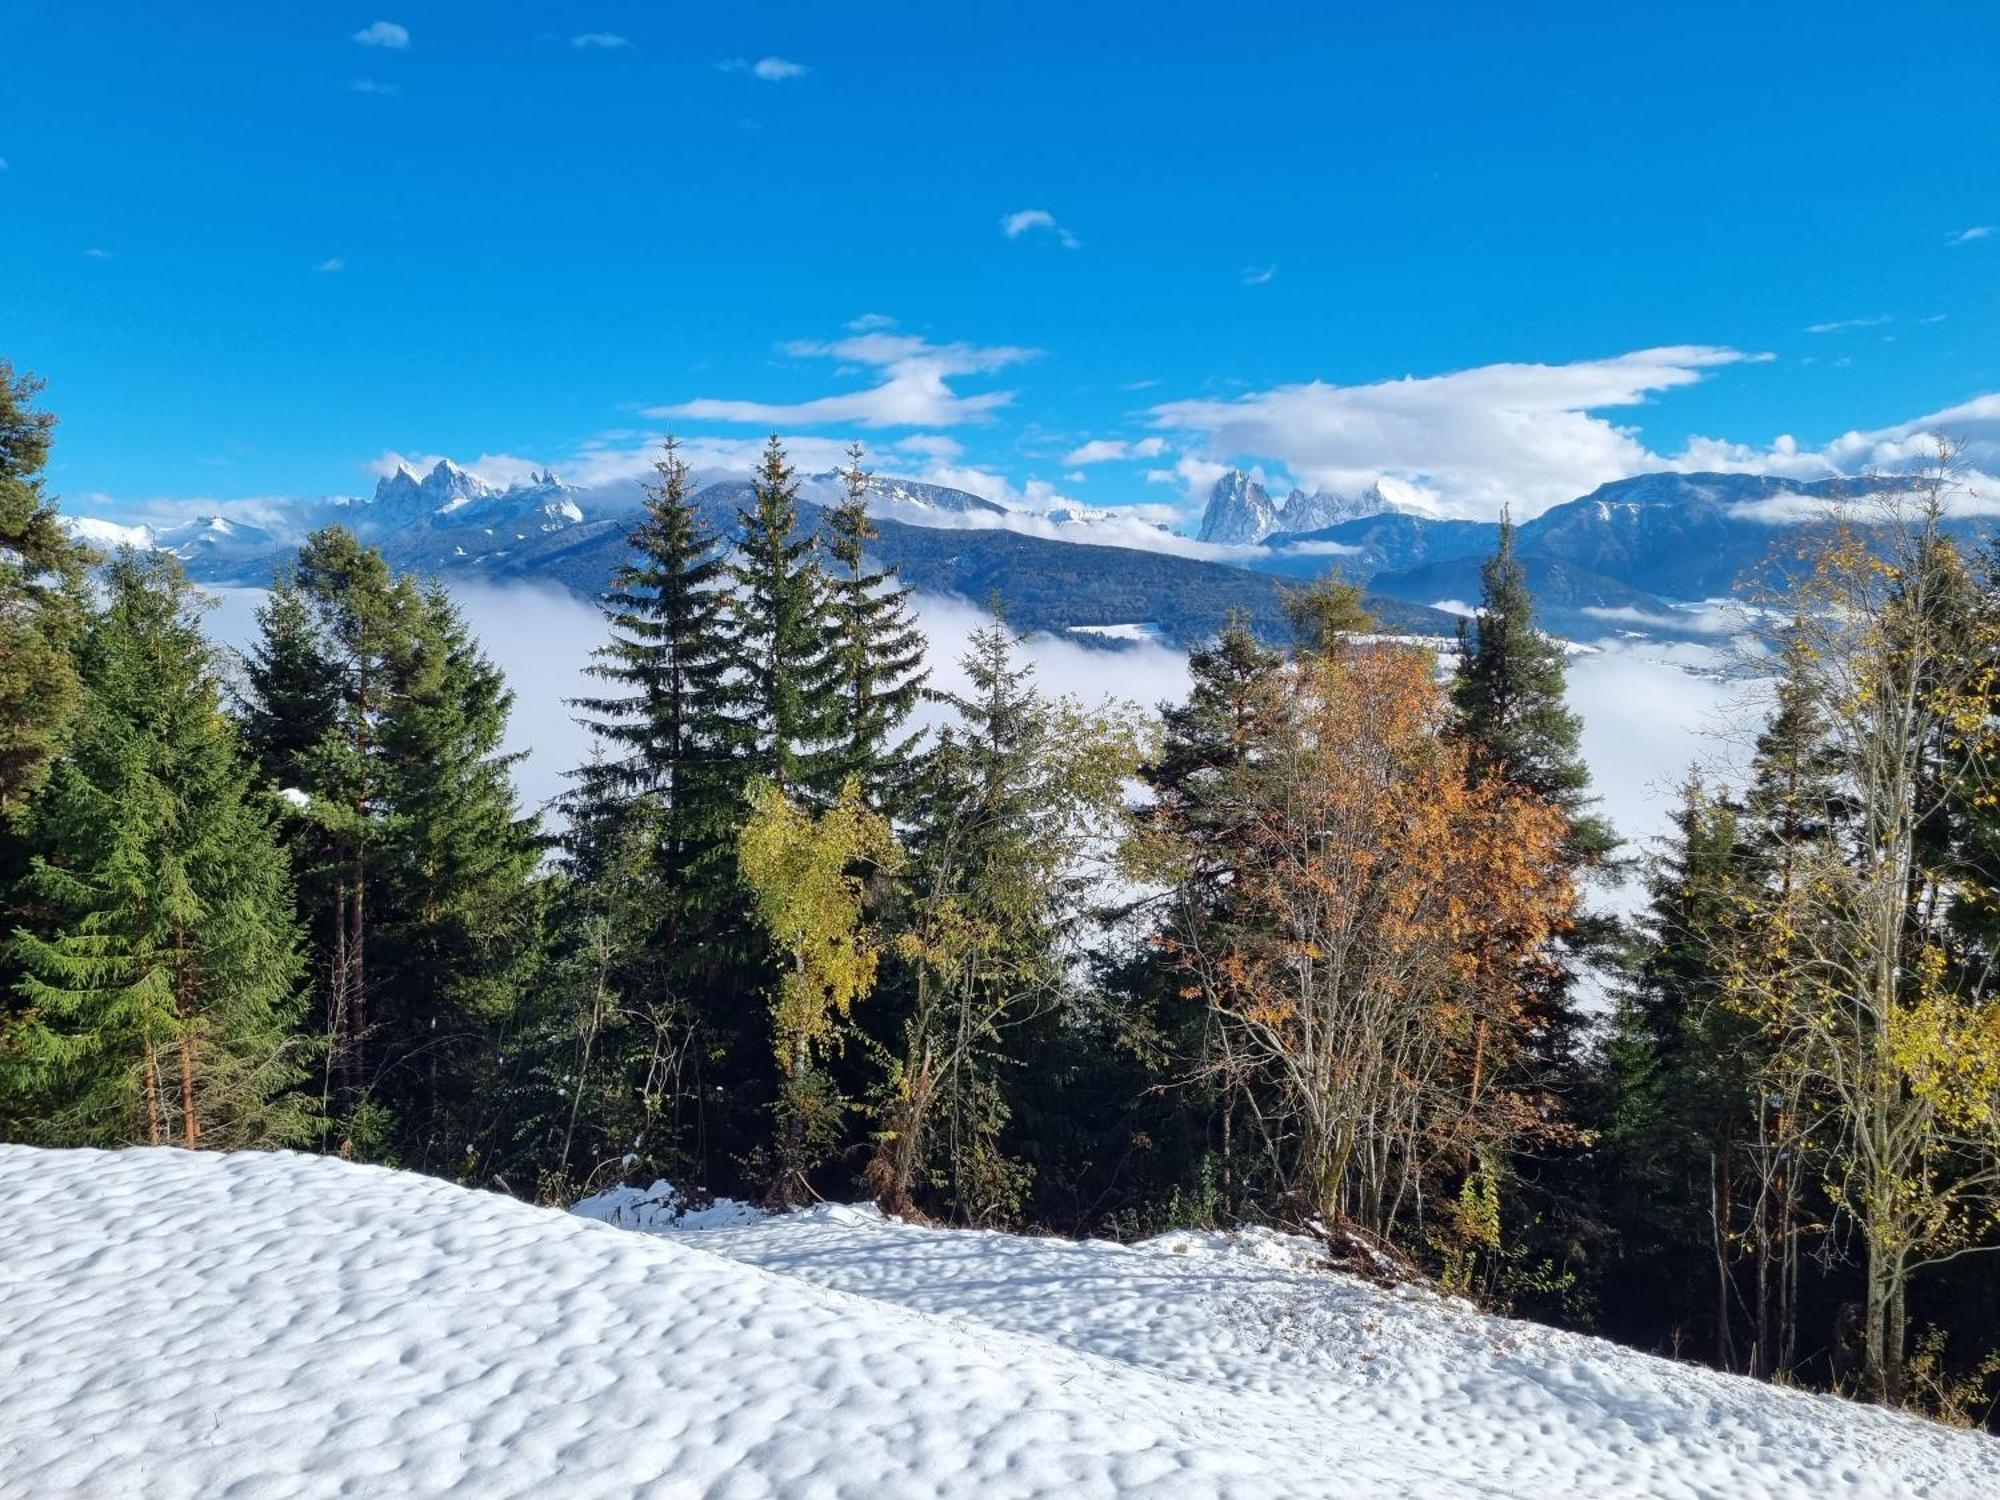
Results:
[1322, 946]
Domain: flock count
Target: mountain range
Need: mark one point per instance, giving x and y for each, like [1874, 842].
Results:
[1637, 556]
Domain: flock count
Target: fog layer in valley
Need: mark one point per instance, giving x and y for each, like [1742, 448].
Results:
[1647, 714]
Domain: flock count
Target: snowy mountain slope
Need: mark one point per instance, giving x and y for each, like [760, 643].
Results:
[1380, 1393]
[182, 1325]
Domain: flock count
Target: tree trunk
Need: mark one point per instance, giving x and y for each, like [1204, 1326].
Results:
[1719, 1214]
[155, 1127]
[1874, 1321]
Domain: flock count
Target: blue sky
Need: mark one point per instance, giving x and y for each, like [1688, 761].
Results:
[254, 248]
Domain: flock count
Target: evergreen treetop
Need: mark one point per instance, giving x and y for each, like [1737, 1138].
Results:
[786, 643]
[41, 597]
[1509, 697]
[879, 646]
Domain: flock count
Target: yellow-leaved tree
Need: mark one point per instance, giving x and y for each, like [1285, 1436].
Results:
[808, 874]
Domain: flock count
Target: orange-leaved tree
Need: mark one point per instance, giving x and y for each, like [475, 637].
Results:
[1364, 959]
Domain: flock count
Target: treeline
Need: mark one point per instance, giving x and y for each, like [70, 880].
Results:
[1313, 947]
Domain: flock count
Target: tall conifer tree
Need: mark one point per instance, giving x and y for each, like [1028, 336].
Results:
[879, 645]
[456, 902]
[786, 642]
[163, 993]
[666, 723]
[335, 650]
[41, 599]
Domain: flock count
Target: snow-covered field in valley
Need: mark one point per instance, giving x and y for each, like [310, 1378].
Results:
[240, 1327]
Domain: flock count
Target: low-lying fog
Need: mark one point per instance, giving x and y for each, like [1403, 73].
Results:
[1649, 710]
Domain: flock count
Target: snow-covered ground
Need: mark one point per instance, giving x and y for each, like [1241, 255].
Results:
[273, 1325]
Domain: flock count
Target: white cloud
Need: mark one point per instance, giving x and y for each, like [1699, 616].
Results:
[1258, 275]
[1974, 426]
[768, 69]
[870, 323]
[930, 445]
[1034, 220]
[1976, 232]
[1465, 444]
[603, 40]
[97, 252]
[1841, 325]
[384, 34]
[1109, 450]
[331, 263]
[369, 86]
[914, 393]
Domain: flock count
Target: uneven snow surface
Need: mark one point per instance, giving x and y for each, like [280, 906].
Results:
[177, 1325]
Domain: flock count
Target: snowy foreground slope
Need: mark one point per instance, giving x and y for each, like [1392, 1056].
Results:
[257, 1326]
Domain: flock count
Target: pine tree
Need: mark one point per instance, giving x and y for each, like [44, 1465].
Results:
[1511, 713]
[657, 964]
[456, 925]
[1682, 1095]
[41, 600]
[1003, 809]
[786, 643]
[668, 729]
[163, 994]
[335, 651]
[1205, 744]
[879, 646]
[1509, 697]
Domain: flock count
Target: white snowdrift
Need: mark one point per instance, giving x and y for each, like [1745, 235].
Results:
[257, 1326]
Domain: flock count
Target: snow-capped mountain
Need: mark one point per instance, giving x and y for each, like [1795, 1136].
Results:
[449, 495]
[199, 541]
[1241, 511]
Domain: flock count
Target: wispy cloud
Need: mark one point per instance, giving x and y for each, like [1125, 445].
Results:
[330, 264]
[602, 40]
[96, 252]
[1258, 275]
[369, 86]
[1461, 444]
[1111, 450]
[914, 390]
[768, 69]
[1841, 325]
[384, 34]
[1034, 221]
[3, 163]
[1976, 232]
[870, 323]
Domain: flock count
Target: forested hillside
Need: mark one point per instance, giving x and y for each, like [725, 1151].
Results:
[1308, 949]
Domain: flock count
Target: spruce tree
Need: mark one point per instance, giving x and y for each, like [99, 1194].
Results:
[786, 643]
[42, 602]
[879, 645]
[335, 651]
[163, 993]
[667, 725]
[456, 924]
[655, 958]
[1510, 713]
[1678, 1099]
[1004, 808]
[1205, 742]
[1509, 697]
[1512, 716]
